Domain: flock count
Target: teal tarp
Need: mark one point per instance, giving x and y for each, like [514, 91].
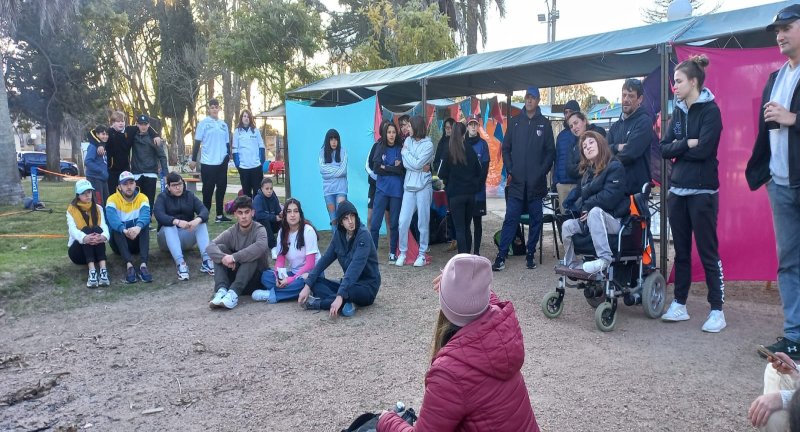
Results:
[604, 56]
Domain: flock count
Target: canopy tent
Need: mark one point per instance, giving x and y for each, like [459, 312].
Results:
[619, 54]
[612, 55]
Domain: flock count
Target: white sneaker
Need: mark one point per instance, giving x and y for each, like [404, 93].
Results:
[183, 271]
[420, 261]
[217, 300]
[230, 300]
[401, 259]
[676, 312]
[715, 322]
[595, 266]
[91, 281]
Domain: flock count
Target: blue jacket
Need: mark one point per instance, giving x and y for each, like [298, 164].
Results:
[95, 165]
[390, 178]
[565, 142]
[358, 257]
[266, 208]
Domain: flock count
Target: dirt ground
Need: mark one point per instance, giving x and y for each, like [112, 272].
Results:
[161, 360]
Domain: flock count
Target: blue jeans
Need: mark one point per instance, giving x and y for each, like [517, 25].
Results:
[177, 240]
[332, 203]
[289, 292]
[513, 211]
[379, 207]
[785, 203]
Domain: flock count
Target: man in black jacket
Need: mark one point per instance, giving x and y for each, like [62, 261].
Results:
[776, 162]
[632, 135]
[528, 153]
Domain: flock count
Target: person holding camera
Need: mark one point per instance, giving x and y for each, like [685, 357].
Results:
[602, 202]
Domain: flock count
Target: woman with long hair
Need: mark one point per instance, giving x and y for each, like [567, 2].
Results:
[475, 380]
[461, 172]
[481, 149]
[602, 202]
[372, 176]
[88, 234]
[417, 154]
[333, 168]
[248, 153]
[691, 142]
[444, 141]
[578, 124]
[297, 251]
[388, 165]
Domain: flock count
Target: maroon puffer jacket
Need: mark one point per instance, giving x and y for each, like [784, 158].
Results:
[474, 383]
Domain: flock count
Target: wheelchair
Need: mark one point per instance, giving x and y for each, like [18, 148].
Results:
[632, 274]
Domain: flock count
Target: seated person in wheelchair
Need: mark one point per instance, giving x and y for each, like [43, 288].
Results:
[602, 202]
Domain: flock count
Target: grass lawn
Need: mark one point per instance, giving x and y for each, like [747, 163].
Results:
[36, 273]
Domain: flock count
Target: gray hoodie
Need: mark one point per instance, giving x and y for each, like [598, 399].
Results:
[416, 154]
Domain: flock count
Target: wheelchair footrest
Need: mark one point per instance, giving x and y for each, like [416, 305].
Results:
[577, 273]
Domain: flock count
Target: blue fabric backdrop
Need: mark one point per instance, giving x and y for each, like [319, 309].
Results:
[306, 129]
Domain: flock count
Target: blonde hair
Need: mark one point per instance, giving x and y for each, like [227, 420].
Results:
[443, 331]
[117, 116]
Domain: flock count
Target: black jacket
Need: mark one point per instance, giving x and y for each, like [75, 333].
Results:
[605, 190]
[461, 179]
[636, 132]
[694, 168]
[118, 147]
[529, 150]
[357, 257]
[757, 171]
[185, 207]
[575, 154]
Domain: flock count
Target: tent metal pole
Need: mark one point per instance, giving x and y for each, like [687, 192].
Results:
[286, 173]
[666, 51]
[424, 83]
[508, 107]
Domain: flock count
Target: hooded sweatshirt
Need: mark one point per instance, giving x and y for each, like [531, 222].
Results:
[474, 382]
[416, 154]
[357, 256]
[169, 207]
[636, 132]
[694, 170]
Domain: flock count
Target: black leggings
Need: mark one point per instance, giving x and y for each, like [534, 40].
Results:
[477, 223]
[251, 180]
[462, 207]
[83, 254]
[214, 176]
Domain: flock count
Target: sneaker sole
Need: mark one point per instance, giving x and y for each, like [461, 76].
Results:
[686, 318]
[183, 278]
[212, 305]
[501, 268]
[715, 330]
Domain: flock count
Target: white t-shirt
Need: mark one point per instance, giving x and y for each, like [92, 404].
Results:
[296, 258]
[214, 136]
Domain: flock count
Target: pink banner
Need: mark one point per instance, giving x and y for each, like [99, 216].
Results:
[746, 235]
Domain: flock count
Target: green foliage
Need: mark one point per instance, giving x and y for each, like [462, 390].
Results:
[402, 36]
[177, 71]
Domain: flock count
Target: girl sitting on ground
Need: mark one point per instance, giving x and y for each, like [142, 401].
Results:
[297, 253]
[475, 380]
[88, 234]
[602, 202]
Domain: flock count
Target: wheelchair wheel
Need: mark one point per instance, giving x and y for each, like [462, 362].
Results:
[605, 318]
[653, 294]
[552, 304]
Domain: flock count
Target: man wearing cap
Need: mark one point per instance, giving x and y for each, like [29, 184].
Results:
[146, 156]
[775, 161]
[528, 154]
[117, 150]
[565, 143]
[213, 135]
[631, 136]
[128, 216]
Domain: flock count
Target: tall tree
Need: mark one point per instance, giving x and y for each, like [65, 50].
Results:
[51, 14]
[657, 12]
[52, 75]
[474, 15]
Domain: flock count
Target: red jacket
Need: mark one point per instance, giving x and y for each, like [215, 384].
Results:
[475, 383]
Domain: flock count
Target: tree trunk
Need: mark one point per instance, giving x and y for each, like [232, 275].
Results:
[77, 154]
[472, 29]
[177, 139]
[10, 186]
[53, 149]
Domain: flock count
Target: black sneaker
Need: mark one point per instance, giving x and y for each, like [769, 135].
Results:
[788, 346]
[530, 260]
[222, 218]
[499, 263]
[313, 303]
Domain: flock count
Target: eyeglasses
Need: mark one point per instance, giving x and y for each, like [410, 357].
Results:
[175, 185]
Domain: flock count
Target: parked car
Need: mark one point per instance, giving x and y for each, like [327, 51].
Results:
[28, 159]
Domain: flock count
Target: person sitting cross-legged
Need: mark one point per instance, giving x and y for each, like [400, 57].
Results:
[182, 220]
[240, 256]
[128, 216]
[602, 202]
[352, 245]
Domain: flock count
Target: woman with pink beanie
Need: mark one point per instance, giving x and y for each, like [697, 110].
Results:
[474, 382]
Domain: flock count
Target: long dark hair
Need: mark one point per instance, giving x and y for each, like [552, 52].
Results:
[301, 241]
[418, 128]
[251, 126]
[442, 333]
[447, 121]
[92, 210]
[458, 155]
[385, 134]
[332, 133]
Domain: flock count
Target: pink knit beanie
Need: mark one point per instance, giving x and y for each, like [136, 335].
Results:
[464, 290]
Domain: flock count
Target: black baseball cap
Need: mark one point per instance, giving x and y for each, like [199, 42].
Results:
[785, 16]
[142, 119]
